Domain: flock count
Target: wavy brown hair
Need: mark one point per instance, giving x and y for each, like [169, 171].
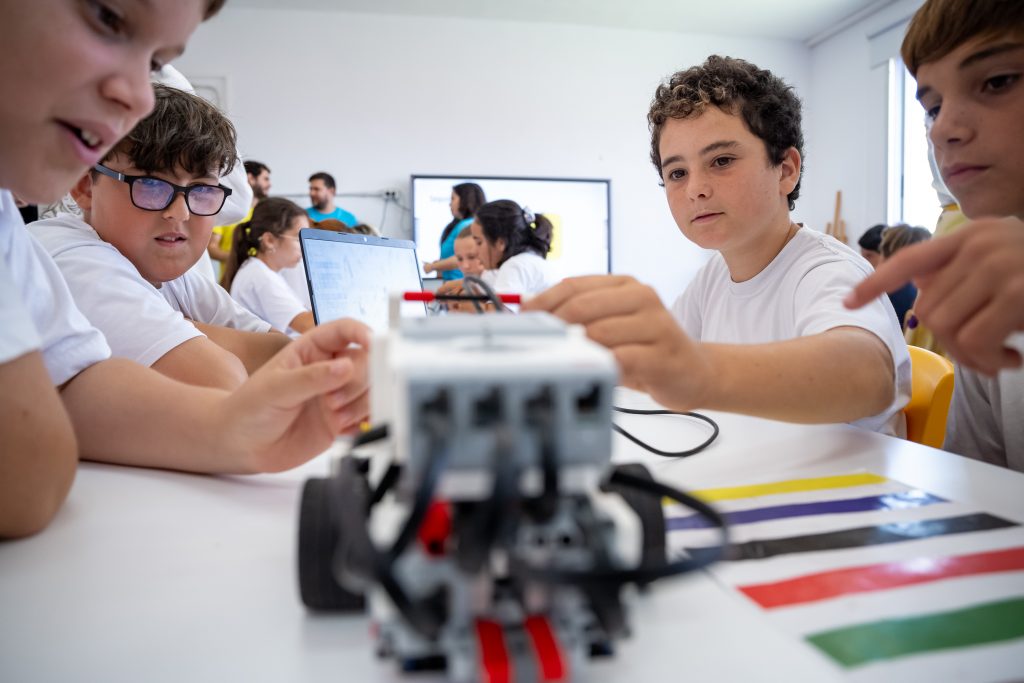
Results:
[768, 106]
[183, 131]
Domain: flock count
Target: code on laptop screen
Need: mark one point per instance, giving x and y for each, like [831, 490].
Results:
[352, 276]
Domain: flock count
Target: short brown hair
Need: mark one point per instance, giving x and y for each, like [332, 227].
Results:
[769, 107]
[941, 26]
[183, 130]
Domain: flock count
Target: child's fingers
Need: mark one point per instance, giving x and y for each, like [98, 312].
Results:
[551, 299]
[916, 260]
[324, 341]
[294, 387]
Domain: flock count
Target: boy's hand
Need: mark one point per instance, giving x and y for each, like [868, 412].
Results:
[311, 391]
[971, 290]
[653, 352]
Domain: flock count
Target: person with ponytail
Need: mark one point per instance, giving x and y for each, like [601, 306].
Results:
[513, 247]
[466, 199]
[263, 246]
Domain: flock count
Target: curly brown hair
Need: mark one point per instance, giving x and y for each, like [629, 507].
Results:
[941, 26]
[183, 131]
[768, 106]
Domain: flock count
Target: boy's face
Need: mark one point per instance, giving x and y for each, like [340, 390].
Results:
[468, 255]
[488, 254]
[161, 244]
[722, 191]
[976, 98]
[74, 79]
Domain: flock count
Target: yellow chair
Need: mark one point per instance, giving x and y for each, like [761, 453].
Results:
[932, 388]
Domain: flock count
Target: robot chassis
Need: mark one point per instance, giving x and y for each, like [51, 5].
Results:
[492, 537]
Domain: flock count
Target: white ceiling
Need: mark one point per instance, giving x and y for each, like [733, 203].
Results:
[800, 20]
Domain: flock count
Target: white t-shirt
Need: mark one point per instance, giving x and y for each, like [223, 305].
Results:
[986, 416]
[296, 279]
[525, 273]
[266, 294]
[36, 308]
[140, 322]
[800, 293]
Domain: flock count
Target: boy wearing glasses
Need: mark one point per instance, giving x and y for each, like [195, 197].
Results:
[149, 208]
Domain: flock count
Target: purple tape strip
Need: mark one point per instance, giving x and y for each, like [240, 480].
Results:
[891, 501]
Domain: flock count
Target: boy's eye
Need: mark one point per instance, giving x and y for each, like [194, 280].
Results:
[1000, 82]
[676, 174]
[932, 112]
[722, 162]
[107, 18]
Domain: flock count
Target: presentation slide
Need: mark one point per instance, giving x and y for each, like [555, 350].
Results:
[577, 208]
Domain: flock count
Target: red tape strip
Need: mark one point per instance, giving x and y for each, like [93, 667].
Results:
[875, 577]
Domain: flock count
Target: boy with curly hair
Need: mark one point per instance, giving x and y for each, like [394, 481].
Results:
[761, 330]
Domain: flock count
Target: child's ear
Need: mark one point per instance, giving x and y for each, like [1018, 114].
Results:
[790, 170]
[82, 192]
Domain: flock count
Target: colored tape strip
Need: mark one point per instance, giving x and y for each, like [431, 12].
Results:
[878, 577]
[789, 486]
[892, 501]
[988, 623]
[863, 536]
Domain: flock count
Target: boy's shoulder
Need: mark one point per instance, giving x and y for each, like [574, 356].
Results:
[810, 250]
[66, 234]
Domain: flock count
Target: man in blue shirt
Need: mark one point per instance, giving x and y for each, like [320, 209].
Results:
[321, 196]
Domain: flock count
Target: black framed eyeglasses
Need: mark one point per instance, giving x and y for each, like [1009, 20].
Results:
[153, 194]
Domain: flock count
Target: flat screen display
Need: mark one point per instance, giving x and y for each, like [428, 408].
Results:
[578, 208]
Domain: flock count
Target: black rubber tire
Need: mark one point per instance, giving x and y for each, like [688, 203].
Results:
[318, 540]
[650, 511]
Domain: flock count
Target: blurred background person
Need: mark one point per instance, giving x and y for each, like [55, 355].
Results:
[466, 199]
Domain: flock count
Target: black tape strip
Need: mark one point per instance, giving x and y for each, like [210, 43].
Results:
[863, 536]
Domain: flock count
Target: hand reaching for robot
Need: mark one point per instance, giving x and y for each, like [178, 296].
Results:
[653, 353]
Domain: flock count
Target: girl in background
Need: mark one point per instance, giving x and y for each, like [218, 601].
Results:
[466, 199]
[263, 246]
[513, 246]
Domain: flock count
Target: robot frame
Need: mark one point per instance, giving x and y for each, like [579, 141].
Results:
[492, 537]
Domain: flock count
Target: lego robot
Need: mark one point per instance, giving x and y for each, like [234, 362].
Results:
[491, 537]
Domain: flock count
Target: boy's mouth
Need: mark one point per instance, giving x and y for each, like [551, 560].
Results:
[89, 137]
[171, 239]
[705, 216]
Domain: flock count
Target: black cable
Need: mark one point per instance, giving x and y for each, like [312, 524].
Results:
[488, 291]
[666, 454]
[643, 574]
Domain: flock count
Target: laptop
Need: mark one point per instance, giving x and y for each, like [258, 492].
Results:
[352, 276]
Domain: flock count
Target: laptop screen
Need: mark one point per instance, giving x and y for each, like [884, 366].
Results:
[352, 276]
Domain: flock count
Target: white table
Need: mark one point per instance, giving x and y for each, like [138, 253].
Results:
[158, 576]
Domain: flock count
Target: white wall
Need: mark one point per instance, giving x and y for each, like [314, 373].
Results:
[845, 117]
[375, 98]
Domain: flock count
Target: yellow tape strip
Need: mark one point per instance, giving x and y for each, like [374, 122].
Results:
[790, 486]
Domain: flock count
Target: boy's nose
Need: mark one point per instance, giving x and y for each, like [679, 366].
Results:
[178, 208]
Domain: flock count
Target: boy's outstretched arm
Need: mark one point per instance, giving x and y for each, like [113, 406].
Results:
[970, 289]
[285, 414]
[840, 375]
[38, 454]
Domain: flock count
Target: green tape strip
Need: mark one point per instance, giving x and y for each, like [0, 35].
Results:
[988, 623]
